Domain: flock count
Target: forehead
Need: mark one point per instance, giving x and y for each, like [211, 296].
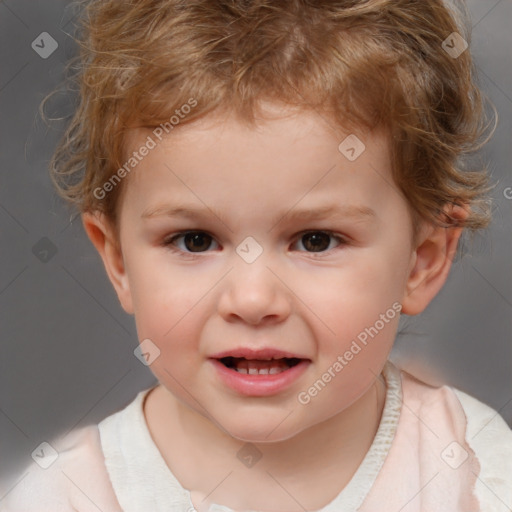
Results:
[290, 158]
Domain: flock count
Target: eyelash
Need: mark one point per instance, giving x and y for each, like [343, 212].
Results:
[169, 241]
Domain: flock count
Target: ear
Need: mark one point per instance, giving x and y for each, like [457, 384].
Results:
[431, 262]
[102, 235]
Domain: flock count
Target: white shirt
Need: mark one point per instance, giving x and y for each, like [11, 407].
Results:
[424, 433]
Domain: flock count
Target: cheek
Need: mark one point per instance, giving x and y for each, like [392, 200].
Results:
[168, 321]
[356, 313]
[349, 364]
[348, 299]
[166, 312]
[161, 293]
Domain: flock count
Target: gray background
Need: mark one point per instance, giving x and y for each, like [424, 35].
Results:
[67, 346]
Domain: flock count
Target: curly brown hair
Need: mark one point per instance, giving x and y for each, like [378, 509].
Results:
[362, 63]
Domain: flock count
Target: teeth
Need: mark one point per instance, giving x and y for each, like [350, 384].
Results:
[255, 367]
[263, 371]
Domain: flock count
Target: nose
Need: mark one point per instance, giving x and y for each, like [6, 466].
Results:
[254, 295]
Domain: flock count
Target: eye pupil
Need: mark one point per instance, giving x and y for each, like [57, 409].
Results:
[199, 241]
[195, 242]
[318, 241]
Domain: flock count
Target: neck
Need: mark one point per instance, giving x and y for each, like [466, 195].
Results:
[323, 457]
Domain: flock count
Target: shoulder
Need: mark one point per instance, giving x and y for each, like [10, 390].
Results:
[490, 438]
[484, 424]
[482, 435]
[68, 475]
[484, 429]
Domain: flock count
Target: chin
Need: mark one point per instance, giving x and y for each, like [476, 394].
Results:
[263, 427]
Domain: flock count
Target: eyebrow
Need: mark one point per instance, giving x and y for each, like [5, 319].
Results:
[356, 212]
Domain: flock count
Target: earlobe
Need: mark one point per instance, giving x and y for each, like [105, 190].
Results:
[102, 235]
[431, 263]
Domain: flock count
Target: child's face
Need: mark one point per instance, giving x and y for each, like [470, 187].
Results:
[308, 296]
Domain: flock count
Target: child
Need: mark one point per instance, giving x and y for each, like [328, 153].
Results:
[216, 144]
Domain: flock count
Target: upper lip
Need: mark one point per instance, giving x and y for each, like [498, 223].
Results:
[257, 354]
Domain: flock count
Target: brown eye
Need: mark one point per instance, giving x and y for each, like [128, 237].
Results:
[197, 242]
[319, 241]
[315, 242]
[192, 241]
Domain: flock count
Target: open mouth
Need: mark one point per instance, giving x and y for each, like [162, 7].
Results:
[259, 366]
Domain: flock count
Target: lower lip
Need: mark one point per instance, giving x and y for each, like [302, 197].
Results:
[259, 385]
